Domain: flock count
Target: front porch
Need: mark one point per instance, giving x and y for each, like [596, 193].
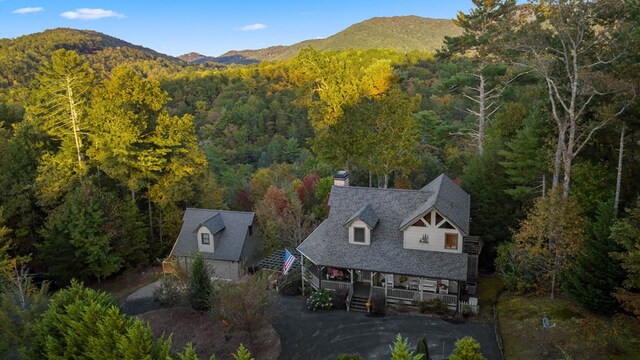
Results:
[363, 286]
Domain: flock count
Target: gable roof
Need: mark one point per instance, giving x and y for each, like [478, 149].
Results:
[327, 245]
[448, 199]
[214, 224]
[230, 239]
[367, 215]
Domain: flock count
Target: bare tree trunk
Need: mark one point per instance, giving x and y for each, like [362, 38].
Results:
[74, 122]
[557, 161]
[370, 178]
[386, 180]
[616, 202]
[481, 114]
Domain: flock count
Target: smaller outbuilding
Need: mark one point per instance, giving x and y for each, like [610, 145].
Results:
[226, 240]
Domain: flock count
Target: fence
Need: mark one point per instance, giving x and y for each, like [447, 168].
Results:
[475, 309]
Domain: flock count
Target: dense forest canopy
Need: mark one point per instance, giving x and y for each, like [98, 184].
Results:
[531, 109]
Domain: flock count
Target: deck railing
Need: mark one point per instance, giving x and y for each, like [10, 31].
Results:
[413, 295]
[335, 285]
[315, 282]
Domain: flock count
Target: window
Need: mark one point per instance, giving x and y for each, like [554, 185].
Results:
[358, 235]
[451, 241]
[204, 238]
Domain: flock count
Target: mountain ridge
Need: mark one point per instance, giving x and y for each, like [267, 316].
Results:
[402, 33]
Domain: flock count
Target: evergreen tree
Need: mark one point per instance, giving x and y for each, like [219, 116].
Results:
[626, 232]
[76, 244]
[423, 348]
[400, 350]
[200, 287]
[242, 354]
[596, 275]
[82, 323]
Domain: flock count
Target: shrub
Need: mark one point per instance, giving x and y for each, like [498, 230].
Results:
[438, 306]
[320, 300]
[467, 311]
[247, 305]
[467, 348]
[168, 292]
[339, 298]
[200, 287]
[423, 306]
[349, 357]
[423, 348]
[377, 304]
[290, 284]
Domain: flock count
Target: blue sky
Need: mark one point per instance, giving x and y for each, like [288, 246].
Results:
[212, 27]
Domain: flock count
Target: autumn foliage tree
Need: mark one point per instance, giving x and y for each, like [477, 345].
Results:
[550, 237]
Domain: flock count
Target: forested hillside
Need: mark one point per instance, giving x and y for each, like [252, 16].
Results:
[401, 33]
[532, 109]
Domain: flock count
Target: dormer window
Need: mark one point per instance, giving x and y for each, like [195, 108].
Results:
[204, 239]
[451, 241]
[359, 235]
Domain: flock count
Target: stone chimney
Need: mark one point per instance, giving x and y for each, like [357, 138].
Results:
[341, 178]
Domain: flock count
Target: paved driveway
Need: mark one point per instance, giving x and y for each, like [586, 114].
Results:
[324, 335]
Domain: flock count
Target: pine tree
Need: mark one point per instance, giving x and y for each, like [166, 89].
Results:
[423, 347]
[596, 275]
[200, 287]
[626, 232]
[400, 350]
[242, 354]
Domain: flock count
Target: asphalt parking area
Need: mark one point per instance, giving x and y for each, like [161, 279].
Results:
[326, 334]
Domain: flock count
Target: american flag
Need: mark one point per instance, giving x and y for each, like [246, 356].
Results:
[288, 261]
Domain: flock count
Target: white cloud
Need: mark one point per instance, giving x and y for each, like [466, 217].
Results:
[90, 14]
[28, 10]
[253, 27]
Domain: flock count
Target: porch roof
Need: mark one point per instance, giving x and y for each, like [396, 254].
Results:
[324, 248]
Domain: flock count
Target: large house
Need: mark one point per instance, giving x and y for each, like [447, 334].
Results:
[225, 239]
[403, 245]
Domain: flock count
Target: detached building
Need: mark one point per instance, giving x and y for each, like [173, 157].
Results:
[225, 239]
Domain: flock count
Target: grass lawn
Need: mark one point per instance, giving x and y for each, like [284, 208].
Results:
[578, 333]
[488, 289]
[125, 284]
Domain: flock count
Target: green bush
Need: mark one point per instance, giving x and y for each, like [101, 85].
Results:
[423, 347]
[290, 284]
[168, 292]
[467, 348]
[339, 298]
[200, 286]
[423, 306]
[436, 305]
[320, 300]
[349, 357]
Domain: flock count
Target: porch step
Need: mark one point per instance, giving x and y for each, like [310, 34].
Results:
[358, 304]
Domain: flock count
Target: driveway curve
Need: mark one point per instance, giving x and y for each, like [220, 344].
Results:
[324, 335]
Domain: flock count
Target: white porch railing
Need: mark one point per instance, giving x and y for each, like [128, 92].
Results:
[335, 285]
[377, 290]
[315, 282]
[413, 295]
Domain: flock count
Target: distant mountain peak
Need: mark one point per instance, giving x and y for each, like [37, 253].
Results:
[402, 33]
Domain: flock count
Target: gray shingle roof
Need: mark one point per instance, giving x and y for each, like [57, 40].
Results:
[214, 224]
[448, 199]
[229, 240]
[365, 214]
[328, 244]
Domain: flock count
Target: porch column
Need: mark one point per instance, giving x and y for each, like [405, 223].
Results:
[302, 271]
[386, 293]
[351, 272]
[319, 275]
[420, 287]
